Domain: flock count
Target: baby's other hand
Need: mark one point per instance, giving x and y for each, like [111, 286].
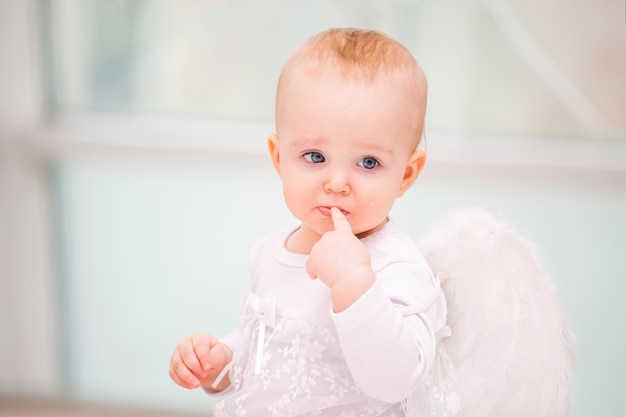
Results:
[198, 360]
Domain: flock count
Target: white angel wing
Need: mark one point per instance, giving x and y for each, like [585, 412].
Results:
[509, 344]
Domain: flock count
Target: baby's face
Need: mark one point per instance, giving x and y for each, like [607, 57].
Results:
[346, 145]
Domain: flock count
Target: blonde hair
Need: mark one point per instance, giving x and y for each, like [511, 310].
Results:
[360, 55]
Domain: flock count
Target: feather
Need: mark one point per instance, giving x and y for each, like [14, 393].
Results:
[510, 346]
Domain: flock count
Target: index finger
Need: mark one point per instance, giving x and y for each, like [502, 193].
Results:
[339, 220]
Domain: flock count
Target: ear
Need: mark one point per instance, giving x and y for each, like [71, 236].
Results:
[413, 168]
[272, 146]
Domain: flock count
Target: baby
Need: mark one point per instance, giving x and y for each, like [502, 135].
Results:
[342, 312]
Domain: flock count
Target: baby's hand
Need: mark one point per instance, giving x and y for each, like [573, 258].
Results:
[341, 261]
[198, 360]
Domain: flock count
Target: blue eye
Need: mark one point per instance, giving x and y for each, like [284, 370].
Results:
[314, 157]
[368, 163]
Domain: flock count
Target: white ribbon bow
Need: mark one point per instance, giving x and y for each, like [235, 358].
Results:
[264, 311]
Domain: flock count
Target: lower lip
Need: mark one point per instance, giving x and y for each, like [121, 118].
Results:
[325, 211]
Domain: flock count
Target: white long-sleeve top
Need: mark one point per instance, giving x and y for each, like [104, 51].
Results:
[293, 356]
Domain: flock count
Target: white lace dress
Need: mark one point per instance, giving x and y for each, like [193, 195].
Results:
[294, 357]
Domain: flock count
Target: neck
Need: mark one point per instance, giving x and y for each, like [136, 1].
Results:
[302, 240]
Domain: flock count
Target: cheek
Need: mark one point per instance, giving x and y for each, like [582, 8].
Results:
[289, 194]
[384, 189]
[294, 194]
[380, 207]
[380, 201]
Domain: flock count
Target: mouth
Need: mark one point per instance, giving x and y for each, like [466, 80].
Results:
[325, 210]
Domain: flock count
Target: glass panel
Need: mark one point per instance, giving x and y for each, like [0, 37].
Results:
[529, 68]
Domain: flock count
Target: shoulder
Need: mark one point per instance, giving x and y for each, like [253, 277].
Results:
[399, 265]
[390, 246]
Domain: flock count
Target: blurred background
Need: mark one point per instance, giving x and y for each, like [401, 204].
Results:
[134, 176]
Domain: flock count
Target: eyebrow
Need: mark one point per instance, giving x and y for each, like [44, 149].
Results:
[307, 141]
[377, 147]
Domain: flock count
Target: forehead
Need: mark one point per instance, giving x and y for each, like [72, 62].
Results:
[321, 110]
[307, 86]
[324, 94]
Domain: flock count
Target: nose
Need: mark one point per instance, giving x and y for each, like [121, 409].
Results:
[337, 182]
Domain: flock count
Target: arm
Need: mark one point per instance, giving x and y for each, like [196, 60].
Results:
[387, 353]
[198, 360]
